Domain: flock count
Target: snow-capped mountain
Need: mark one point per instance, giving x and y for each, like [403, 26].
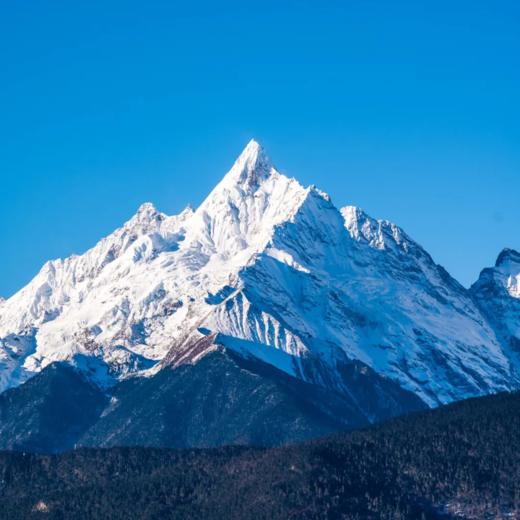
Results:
[497, 292]
[269, 269]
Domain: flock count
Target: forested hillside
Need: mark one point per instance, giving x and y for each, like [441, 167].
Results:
[459, 461]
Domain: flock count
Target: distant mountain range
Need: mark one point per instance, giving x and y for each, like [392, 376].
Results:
[265, 316]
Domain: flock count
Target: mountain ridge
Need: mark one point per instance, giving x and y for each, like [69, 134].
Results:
[223, 399]
[273, 267]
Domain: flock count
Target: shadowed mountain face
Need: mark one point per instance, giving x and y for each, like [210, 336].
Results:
[222, 399]
[50, 412]
[497, 292]
[461, 461]
[226, 399]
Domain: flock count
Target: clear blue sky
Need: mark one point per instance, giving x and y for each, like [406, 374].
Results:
[410, 110]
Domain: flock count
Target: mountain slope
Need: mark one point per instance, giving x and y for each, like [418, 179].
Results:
[227, 399]
[219, 402]
[50, 412]
[224, 399]
[277, 270]
[497, 292]
[461, 461]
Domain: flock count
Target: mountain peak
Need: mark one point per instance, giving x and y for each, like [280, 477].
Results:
[252, 152]
[146, 214]
[251, 168]
[146, 209]
[499, 281]
[508, 256]
[253, 146]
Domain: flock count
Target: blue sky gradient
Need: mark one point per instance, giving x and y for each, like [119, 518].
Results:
[410, 110]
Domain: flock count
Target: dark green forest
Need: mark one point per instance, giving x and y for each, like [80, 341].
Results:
[459, 461]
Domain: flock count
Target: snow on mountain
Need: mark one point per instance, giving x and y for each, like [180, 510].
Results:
[382, 301]
[279, 273]
[497, 292]
[506, 273]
